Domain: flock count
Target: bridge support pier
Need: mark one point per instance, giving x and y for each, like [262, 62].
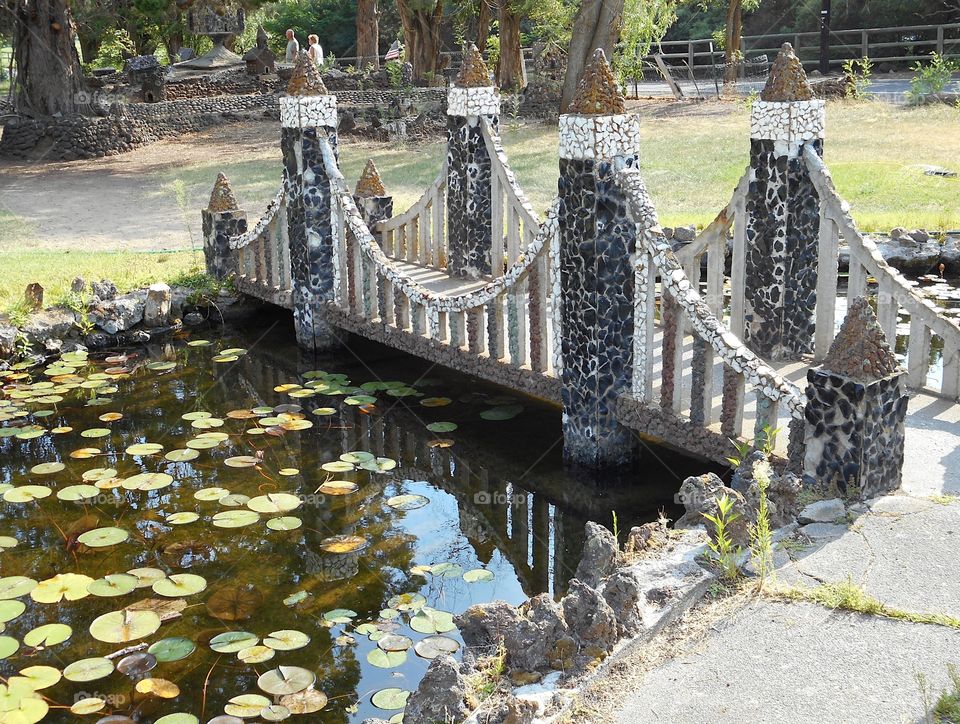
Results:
[307, 115]
[783, 215]
[597, 244]
[469, 195]
[222, 219]
[856, 412]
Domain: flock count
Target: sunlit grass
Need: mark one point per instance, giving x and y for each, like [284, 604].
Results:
[56, 270]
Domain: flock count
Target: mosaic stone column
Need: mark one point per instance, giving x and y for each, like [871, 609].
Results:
[783, 214]
[469, 225]
[222, 219]
[855, 413]
[307, 114]
[597, 242]
[374, 205]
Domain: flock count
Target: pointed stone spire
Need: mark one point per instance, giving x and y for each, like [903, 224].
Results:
[222, 198]
[787, 81]
[860, 350]
[598, 92]
[306, 79]
[474, 72]
[370, 183]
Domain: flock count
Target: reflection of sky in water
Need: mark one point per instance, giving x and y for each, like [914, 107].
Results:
[500, 499]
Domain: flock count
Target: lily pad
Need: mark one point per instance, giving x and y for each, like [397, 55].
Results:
[174, 648]
[103, 537]
[182, 518]
[230, 642]
[118, 627]
[392, 643]
[15, 586]
[137, 664]
[338, 487]
[235, 518]
[182, 455]
[49, 634]
[69, 586]
[286, 522]
[433, 646]
[178, 718]
[8, 646]
[338, 466]
[432, 621]
[40, 677]
[407, 502]
[144, 448]
[26, 493]
[307, 701]
[75, 493]
[147, 481]
[242, 461]
[442, 426]
[11, 609]
[343, 544]
[95, 432]
[274, 503]
[180, 584]
[386, 659]
[340, 615]
[390, 699]
[88, 669]
[435, 401]
[256, 654]
[47, 468]
[88, 705]
[113, 584]
[286, 640]
[7, 541]
[161, 688]
[246, 706]
[235, 602]
[207, 494]
[478, 575]
[146, 577]
[380, 465]
[286, 680]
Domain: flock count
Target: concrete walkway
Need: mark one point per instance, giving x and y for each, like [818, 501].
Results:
[775, 661]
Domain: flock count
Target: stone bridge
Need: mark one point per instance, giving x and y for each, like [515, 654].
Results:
[591, 307]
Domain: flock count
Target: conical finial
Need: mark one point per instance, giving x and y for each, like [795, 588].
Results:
[787, 81]
[370, 183]
[222, 198]
[306, 79]
[860, 350]
[598, 93]
[474, 72]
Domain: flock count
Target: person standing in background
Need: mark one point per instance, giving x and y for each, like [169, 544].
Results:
[293, 46]
[315, 52]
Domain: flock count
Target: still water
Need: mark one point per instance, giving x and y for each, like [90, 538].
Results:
[295, 529]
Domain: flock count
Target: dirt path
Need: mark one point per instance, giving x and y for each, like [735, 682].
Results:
[126, 201]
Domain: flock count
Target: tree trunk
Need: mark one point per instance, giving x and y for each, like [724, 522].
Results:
[734, 33]
[368, 35]
[421, 36]
[510, 70]
[483, 25]
[49, 78]
[597, 25]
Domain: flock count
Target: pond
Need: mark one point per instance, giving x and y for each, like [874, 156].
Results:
[271, 535]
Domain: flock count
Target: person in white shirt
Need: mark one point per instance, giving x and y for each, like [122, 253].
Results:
[293, 47]
[315, 52]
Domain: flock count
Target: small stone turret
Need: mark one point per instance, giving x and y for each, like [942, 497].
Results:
[787, 80]
[598, 92]
[856, 411]
[474, 72]
[370, 183]
[222, 198]
[306, 79]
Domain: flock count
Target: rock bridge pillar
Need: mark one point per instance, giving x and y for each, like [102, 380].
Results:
[222, 219]
[783, 214]
[597, 242]
[469, 202]
[308, 113]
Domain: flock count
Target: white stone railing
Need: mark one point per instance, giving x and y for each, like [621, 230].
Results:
[683, 314]
[263, 256]
[418, 234]
[893, 291]
[505, 318]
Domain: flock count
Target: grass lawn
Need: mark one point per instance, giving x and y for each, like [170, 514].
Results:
[56, 270]
[691, 156]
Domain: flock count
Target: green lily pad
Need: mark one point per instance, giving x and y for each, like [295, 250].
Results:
[88, 669]
[286, 680]
[75, 493]
[340, 615]
[390, 699]
[338, 466]
[147, 481]
[113, 584]
[180, 584]
[40, 677]
[357, 456]
[178, 718]
[286, 522]
[182, 455]
[95, 432]
[7, 541]
[235, 518]
[286, 640]
[274, 503]
[207, 494]
[172, 649]
[146, 577]
[386, 659]
[8, 646]
[11, 609]
[380, 465]
[230, 642]
[49, 634]
[103, 537]
[256, 654]
[433, 646]
[407, 502]
[393, 643]
[246, 706]
[182, 518]
[203, 443]
[47, 468]
[478, 575]
[119, 627]
[442, 426]
[144, 448]
[432, 621]
[26, 493]
[160, 366]
[16, 586]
